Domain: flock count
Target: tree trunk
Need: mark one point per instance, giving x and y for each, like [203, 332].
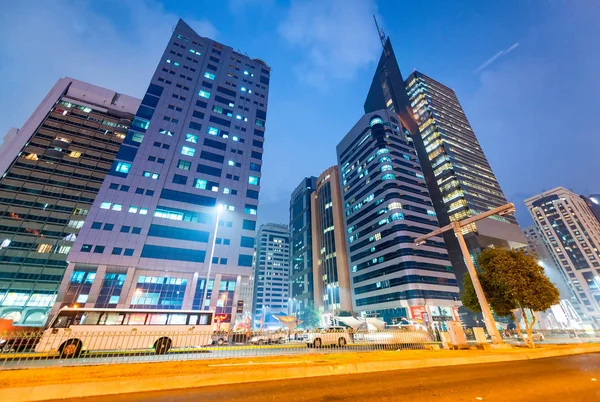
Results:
[529, 339]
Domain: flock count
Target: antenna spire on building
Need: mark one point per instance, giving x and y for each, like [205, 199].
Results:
[382, 36]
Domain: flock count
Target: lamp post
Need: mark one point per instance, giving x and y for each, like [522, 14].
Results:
[457, 226]
[212, 253]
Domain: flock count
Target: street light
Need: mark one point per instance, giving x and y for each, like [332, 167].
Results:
[457, 226]
[212, 253]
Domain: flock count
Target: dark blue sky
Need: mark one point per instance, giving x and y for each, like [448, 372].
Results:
[534, 106]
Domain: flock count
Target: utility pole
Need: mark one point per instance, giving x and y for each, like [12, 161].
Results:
[457, 226]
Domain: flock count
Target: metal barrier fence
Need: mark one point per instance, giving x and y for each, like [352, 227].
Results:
[73, 348]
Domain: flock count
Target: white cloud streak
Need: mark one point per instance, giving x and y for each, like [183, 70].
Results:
[336, 37]
[495, 57]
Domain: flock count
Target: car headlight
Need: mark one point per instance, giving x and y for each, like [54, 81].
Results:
[2, 341]
[254, 338]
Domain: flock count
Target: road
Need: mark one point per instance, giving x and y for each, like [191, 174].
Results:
[565, 379]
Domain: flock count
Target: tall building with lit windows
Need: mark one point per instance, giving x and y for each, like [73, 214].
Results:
[53, 168]
[458, 176]
[301, 261]
[271, 275]
[572, 233]
[386, 207]
[330, 259]
[195, 144]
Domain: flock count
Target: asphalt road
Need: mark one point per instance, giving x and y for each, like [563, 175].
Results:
[565, 379]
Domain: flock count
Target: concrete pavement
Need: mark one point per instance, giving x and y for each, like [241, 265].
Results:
[564, 379]
[48, 383]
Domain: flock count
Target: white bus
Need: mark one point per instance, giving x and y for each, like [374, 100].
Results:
[74, 330]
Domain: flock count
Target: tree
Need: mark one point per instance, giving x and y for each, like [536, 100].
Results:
[311, 317]
[511, 280]
[345, 313]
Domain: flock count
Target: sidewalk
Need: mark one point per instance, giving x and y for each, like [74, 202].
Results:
[62, 382]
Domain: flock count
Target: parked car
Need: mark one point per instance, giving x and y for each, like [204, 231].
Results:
[336, 336]
[268, 338]
[15, 342]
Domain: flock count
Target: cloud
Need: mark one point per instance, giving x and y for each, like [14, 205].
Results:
[495, 57]
[117, 47]
[337, 38]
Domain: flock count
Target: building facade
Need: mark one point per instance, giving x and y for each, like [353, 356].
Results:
[386, 207]
[195, 146]
[457, 174]
[572, 233]
[301, 261]
[53, 169]
[593, 201]
[271, 274]
[569, 311]
[331, 276]
[460, 170]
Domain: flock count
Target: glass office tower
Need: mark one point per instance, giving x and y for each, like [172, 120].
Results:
[195, 144]
[458, 176]
[53, 169]
[386, 207]
[572, 233]
[301, 262]
[271, 274]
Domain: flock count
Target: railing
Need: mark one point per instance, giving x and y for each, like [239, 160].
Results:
[72, 347]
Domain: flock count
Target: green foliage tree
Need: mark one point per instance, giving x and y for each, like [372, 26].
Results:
[511, 280]
[344, 313]
[311, 317]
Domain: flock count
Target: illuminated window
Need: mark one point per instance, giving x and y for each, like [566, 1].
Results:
[143, 211]
[201, 184]
[253, 180]
[75, 154]
[388, 176]
[105, 205]
[117, 207]
[188, 151]
[191, 138]
[397, 216]
[123, 167]
[375, 120]
[209, 76]
[213, 131]
[383, 151]
[204, 94]
[394, 205]
[386, 167]
[166, 132]
[44, 248]
[133, 209]
[385, 159]
[184, 165]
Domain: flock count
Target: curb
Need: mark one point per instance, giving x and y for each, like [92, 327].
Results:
[134, 385]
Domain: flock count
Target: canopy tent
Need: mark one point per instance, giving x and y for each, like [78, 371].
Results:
[288, 321]
[371, 323]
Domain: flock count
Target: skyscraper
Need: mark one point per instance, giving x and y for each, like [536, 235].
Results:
[330, 258]
[386, 207]
[271, 273]
[301, 262]
[53, 168]
[195, 144]
[593, 201]
[573, 234]
[458, 176]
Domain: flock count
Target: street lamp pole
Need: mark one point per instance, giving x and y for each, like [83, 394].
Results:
[457, 226]
[212, 253]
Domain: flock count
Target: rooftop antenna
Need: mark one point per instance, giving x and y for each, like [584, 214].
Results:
[382, 36]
